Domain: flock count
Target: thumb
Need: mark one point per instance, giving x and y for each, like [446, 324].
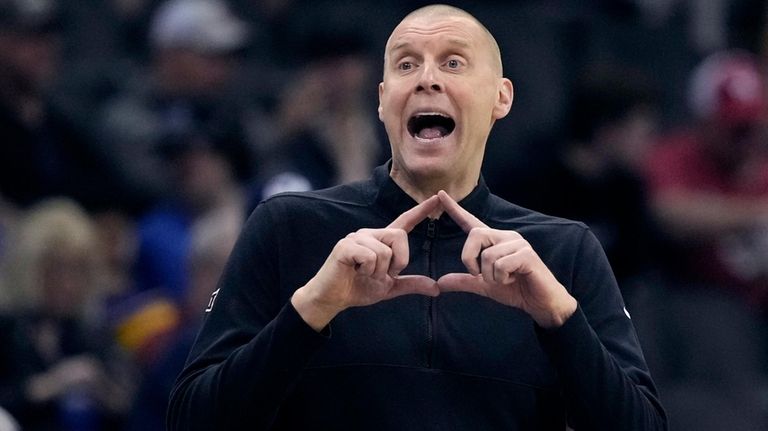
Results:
[413, 284]
[457, 282]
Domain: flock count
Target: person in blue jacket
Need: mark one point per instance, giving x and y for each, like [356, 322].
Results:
[417, 299]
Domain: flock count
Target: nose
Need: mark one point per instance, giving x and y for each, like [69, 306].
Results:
[429, 80]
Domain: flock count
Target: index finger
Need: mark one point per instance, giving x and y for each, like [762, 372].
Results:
[462, 217]
[409, 219]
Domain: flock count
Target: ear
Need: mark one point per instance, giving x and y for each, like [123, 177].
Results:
[504, 99]
[381, 91]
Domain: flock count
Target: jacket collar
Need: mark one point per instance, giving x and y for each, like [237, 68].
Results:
[391, 201]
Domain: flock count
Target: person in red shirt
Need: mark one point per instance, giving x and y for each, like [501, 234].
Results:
[709, 184]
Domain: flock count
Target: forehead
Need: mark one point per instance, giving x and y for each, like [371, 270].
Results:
[455, 30]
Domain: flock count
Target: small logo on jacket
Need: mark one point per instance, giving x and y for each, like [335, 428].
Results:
[212, 300]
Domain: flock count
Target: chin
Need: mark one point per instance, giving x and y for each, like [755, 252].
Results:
[427, 168]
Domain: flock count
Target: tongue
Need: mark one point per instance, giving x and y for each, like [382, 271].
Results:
[432, 132]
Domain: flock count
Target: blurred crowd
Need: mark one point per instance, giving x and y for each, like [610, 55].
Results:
[136, 136]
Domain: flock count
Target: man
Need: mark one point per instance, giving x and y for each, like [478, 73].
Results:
[411, 321]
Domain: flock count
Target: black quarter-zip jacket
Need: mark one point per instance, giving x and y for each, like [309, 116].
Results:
[454, 362]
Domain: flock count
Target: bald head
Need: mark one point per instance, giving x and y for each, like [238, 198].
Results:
[438, 11]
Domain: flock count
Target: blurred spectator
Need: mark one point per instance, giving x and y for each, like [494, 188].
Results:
[326, 130]
[709, 189]
[58, 370]
[203, 168]
[596, 174]
[710, 183]
[211, 241]
[191, 83]
[43, 153]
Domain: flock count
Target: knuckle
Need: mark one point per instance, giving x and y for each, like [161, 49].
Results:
[531, 255]
[370, 255]
[386, 253]
[399, 264]
[500, 275]
[505, 266]
[475, 231]
[487, 256]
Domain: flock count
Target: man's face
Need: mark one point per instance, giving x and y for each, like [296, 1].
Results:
[442, 92]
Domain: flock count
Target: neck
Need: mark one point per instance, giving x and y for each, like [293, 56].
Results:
[421, 189]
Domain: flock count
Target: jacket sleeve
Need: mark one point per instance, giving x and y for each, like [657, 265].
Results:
[252, 347]
[606, 382]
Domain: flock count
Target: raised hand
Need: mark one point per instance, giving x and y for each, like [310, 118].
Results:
[363, 269]
[503, 266]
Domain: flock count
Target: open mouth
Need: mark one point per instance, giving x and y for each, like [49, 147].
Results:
[430, 126]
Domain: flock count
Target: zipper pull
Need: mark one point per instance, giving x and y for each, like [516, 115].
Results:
[431, 228]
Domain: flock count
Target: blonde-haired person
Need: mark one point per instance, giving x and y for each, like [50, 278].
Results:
[56, 371]
[54, 254]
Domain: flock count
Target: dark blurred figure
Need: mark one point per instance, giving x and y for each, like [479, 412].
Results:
[709, 187]
[58, 368]
[204, 173]
[326, 131]
[43, 153]
[595, 174]
[191, 82]
[211, 241]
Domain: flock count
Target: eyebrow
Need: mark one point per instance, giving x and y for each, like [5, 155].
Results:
[459, 42]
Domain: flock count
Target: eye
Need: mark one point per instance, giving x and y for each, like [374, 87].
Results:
[405, 65]
[453, 63]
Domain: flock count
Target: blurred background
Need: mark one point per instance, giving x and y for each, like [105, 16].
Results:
[137, 135]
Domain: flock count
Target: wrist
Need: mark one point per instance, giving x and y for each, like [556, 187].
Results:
[560, 312]
[313, 311]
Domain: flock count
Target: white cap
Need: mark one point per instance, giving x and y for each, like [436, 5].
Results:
[728, 86]
[199, 25]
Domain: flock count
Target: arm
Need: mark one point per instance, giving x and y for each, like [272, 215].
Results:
[696, 215]
[606, 382]
[252, 349]
[591, 342]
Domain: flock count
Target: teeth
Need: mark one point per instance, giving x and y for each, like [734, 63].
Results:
[422, 114]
